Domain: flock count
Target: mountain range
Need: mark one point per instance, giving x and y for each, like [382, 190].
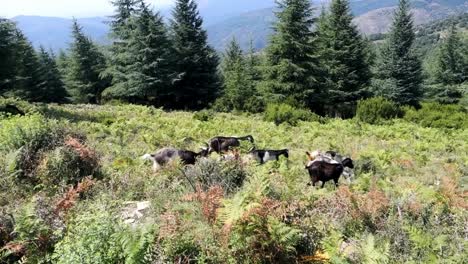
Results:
[245, 20]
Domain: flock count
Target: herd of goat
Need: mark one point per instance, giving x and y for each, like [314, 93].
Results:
[322, 167]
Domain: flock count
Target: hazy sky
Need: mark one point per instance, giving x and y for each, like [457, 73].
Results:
[64, 8]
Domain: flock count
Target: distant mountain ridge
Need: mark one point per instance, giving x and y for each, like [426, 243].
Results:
[55, 33]
[244, 20]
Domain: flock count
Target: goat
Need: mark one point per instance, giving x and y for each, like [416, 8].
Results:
[167, 155]
[263, 155]
[233, 154]
[222, 144]
[318, 156]
[323, 170]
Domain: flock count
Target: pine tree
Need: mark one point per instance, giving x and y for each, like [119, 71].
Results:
[399, 76]
[29, 83]
[452, 60]
[291, 68]
[7, 60]
[122, 26]
[451, 69]
[238, 86]
[195, 62]
[86, 63]
[147, 73]
[344, 56]
[54, 87]
[125, 9]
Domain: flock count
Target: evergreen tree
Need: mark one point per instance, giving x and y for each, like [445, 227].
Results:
[195, 62]
[343, 54]
[86, 63]
[29, 83]
[147, 73]
[452, 64]
[451, 69]
[238, 86]
[7, 60]
[291, 68]
[122, 26]
[125, 9]
[399, 74]
[54, 87]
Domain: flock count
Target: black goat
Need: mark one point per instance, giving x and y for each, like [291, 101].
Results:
[222, 144]
[263, 155]
[324, 171]
[166, 155]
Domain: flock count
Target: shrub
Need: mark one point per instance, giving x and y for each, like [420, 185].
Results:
[12, 106]
[285, 113]
[91, 238]
[207, 173]
[204, 115]
[68, 164]
[36, 230]
[438, 116]
[376, 110]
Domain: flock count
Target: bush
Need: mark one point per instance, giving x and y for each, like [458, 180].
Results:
[204, 115]
[438, 116]
[12, 106]
[207, 173]
[36, 230]
[377, 110]
[68, 164]
[92, 237]
[285, 113]
[40, 152]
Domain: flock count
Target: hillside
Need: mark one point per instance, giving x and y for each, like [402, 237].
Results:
[245, 20]
[372, 16]
[55, 33]
[405, 200]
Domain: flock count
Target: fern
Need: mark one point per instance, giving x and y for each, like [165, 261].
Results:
[331, 244]
[136, 244]
[371, 253]
[282, 234]
[244, 201]
[426, 246]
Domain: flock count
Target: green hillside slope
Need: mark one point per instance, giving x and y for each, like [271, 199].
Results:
[405, 201]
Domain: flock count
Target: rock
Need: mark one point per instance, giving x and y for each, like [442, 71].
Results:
[134, 212]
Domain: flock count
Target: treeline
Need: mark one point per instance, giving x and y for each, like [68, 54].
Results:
[321, 63]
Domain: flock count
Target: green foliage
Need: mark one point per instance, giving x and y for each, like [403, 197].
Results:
[398, 76]
[452, 60]
[146, 73]
[85, 65]
[13, 106]
[377, 110]
[207, 173]
[137, 244]
[438, 116]
[447, 69]
[204, 115]
[36, 230]
[91, 238]
[54, 91]
[67, 165]
[406, 175]
[291, 67]
[372, 252]
[239, 76]
[345, 56]
[285, 113]
[195, 62]
[7, 58]
[29, 83]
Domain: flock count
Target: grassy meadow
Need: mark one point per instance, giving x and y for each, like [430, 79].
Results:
[68, 172]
